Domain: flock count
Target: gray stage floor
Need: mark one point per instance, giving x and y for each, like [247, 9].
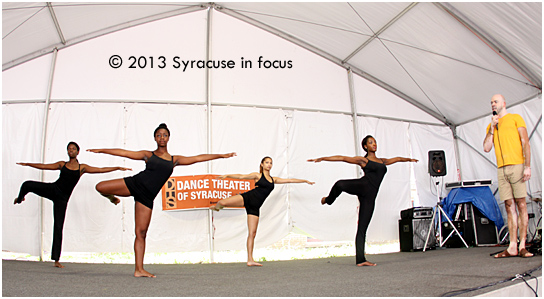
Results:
[414, 274]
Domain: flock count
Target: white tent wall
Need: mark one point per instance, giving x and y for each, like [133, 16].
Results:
[288, 114]
[529, 111]
[280, 87]
[28, 82]
[372, 100]
[21, 142]
[81, 76]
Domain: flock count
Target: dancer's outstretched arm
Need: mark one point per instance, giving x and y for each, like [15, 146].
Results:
[352, 160]
[134, 155]
[398, 159]
[251, 176]
[91, 169]
[51, 166]
[181, 160]
[287, 181]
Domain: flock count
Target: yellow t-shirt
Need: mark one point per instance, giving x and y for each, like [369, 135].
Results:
[507, 141]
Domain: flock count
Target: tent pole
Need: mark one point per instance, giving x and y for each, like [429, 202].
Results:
[209, 122]
[354, 115]
[536, 126]
[56, 21]
[457, 156]
[44, 138]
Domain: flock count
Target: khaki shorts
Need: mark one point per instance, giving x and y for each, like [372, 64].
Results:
[511, 184]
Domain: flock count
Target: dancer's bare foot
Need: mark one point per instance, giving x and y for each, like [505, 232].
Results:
[367, 263]
[253, 264]
[114, 200]
[17, 201]
[58, 265]
[323, 200]
[217, 207]
[143, 273]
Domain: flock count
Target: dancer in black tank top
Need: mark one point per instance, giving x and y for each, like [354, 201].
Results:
[145, 185]
[59, 191]
[254, 199]
[366, 188]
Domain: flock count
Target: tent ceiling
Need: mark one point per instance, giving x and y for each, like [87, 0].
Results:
[437, 56]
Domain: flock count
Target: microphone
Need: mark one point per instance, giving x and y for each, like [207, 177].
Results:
[497, 125]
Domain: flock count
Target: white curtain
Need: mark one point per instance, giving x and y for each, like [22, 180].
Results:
[21, 142]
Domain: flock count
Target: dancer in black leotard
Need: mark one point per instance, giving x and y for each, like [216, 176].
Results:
[59, 192]
[145, 186]
[366, 189]
[254, 199]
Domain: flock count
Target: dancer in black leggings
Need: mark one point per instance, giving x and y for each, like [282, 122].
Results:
[366, 189]
[254, 199]
[145, 185]
[59, 192]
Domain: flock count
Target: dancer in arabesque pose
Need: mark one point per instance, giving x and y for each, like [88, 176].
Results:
[59, 192]
[145, 185]
[254, 199]
[365, 188]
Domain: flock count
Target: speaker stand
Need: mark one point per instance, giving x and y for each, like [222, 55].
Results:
[438, 210]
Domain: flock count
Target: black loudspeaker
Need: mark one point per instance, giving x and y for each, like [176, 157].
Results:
[465, 229]
[437, 163]
[413, 233]
[485, 231]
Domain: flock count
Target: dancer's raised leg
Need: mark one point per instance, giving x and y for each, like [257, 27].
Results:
[111, 188]
[235, 201]
[348, 186]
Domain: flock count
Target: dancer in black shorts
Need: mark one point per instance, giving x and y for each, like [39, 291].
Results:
[254, 199]
[59, 192]
[366, 188]
[145, 186]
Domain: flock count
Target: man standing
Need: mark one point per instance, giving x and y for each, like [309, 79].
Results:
[508, 133]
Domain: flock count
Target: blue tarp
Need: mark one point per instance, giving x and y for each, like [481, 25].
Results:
[480, 197]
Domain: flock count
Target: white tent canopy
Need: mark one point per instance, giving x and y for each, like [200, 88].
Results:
[417, 76]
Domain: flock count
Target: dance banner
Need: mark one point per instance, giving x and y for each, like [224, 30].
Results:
[200, 191]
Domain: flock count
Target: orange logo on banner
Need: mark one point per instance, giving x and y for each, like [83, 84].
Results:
[200, 191]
